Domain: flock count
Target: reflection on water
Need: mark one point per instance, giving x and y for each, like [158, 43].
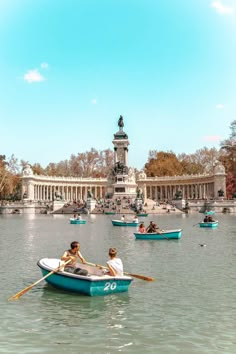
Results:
[86, 307]
[189, 309]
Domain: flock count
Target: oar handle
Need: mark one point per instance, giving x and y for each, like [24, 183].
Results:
[96, 265]
[139, 276]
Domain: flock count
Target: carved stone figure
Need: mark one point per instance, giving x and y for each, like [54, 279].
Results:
[119, 169]
[219, 169]
[121, 123]
[138, 193]
[131, 175]
[89, 194]
[220, 193]
[142, 175]
[58, 195]
[27, 171]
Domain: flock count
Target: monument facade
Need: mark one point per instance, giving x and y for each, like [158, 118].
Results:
[122, 181]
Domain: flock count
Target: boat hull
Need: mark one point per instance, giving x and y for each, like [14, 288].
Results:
[213, 224]
[142, 214]
[109, 213]
[164, 235]
[93, 285]
[77, 221]
[124, 223]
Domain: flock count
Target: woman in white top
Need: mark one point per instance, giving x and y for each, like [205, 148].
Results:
[115, 264]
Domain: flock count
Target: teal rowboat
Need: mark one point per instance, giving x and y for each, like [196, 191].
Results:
[142, 214]
[124, 223]
[211, 224]
[162, 235]
[91, 285]
[77, 221]
[109, 213]
[211, 212]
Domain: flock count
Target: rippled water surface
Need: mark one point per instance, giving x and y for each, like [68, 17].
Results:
[189, 309]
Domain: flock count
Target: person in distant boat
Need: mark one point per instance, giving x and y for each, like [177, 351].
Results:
[122, 218]
[135, 219]
[74, 254]
[142, 228]
[115, 265]
[151, 227]
[74, 216]
[78, 217]
[205, 219]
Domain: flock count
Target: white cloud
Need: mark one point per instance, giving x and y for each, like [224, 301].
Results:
[220, 106]
[94, 101]
[33, 76]
[212, 138]
[44, 65]
[221, 8]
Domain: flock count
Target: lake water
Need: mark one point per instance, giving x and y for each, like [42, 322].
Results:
[189, 309]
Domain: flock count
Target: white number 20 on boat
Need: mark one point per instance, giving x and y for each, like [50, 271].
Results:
[110, 286]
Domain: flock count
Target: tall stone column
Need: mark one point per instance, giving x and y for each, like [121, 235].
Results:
[219, 181]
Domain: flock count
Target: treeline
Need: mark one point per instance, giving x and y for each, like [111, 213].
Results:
[92, 163]
[162, 163]
[96, 163]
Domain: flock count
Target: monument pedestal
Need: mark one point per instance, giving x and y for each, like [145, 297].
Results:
[57, 204]
[90, 204]
[139, 203]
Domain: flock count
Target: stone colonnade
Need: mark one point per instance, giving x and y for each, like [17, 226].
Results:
[48, 192]
[191, 191]
[45, 188]
[189, 187]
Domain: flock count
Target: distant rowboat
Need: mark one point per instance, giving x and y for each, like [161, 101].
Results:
[109, 213]
[77, 221]
[142, 214]
[161, 235]
[211, 224]
[211, 212]
[124, 223]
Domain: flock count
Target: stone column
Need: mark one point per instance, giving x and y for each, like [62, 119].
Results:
[145, 191]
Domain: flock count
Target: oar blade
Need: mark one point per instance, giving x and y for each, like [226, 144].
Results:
[22, 292]
[143, 277]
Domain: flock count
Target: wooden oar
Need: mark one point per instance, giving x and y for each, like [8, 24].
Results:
[196, 224]
[22, 292]
[160, 232]
[139, 276]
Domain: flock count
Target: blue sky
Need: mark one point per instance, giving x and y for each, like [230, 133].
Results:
[70, 68]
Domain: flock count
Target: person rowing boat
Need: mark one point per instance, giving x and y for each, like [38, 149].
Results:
[73, 254]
